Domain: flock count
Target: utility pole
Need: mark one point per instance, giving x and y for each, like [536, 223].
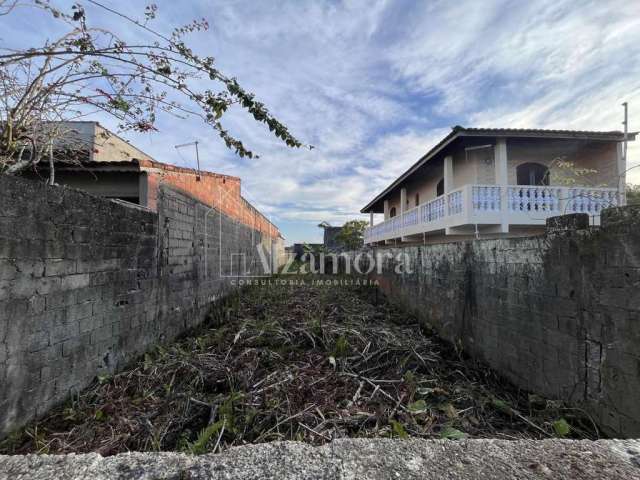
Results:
[622, 184]
[626, 132]
[197, 154]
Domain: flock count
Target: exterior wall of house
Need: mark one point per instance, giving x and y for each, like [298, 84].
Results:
[426, 183]
[598, 156]
[108, 147]
[465, 169]
[473, 165]
[603, 158]
[137, 178]
[425, 188]
[394, 202]
[219, 191]
[484, 160]
[122, 185]
[112, 184]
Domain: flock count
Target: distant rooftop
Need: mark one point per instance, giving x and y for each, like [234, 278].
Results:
[109, 151]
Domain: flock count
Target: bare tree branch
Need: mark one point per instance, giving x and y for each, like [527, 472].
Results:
[91, 69]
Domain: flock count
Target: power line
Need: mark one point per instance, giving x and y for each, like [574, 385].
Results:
[178, 147]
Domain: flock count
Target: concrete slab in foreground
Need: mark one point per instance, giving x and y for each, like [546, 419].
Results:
[352, 459]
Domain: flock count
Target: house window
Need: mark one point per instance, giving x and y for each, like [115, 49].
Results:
[532, 174]
[417, 199]
[440, 188]
[392, 212]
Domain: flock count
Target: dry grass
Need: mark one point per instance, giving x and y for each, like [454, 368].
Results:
[304, 362]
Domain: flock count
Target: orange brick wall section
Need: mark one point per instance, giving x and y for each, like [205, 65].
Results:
[219, 191]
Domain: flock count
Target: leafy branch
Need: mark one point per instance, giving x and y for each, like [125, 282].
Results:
[92, 70]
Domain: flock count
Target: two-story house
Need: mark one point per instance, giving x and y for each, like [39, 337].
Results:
[498, 182]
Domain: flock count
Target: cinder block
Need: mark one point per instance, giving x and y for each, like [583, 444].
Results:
[8, 269]
[81, 235]
[56, 267]
[56, 300]
[80, 310]
[614, 297]
[77, 346]
[102, 334]
[64, 332]
[85, 266]
[88, 294]
[36, 341]
[72, 282]
[36, 304]
[89, 324]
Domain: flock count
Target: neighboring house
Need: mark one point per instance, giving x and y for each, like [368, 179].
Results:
[110, 167]
[330, 236]
[300, 249]
[497, 182]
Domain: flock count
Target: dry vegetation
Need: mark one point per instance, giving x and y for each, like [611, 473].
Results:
[303, 362]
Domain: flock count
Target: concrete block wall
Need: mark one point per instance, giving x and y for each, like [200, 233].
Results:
[87, 284]
[220, 191]
[557, 314]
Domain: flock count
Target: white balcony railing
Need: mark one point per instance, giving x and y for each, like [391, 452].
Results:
[494, 205]
[534, 199]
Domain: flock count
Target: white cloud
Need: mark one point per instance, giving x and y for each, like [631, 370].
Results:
[374, 84]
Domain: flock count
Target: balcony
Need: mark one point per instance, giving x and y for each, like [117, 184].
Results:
[468, 209]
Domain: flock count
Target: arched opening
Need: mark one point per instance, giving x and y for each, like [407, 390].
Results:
[440, 188]
[532, 174]
[392, 212]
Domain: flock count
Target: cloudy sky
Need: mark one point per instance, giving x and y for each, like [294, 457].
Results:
[373, 84]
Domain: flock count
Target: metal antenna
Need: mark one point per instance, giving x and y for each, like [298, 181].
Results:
[197, 154]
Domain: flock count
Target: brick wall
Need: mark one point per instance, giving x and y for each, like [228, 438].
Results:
[219, 191]
[557, 314]
[87, 284]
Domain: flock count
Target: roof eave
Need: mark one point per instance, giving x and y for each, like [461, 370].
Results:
[455, 133]
[464, 132]
[604, 136]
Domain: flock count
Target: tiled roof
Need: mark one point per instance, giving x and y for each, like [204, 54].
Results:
[459, 131]
[544, 133]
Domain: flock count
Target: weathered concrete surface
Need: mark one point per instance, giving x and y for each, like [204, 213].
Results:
[87, 284]
[353, 459]
[556, 314]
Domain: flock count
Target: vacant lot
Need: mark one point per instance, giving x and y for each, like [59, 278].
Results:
[297, 362]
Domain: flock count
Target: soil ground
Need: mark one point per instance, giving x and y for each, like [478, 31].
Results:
[305, 362]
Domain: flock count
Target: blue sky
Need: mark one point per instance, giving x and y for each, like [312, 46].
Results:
[373, 84]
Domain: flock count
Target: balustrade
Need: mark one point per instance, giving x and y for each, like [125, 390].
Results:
[544, 201]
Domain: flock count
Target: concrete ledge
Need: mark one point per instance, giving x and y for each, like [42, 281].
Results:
[353, 459]
[572, 221]
[621, 219]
